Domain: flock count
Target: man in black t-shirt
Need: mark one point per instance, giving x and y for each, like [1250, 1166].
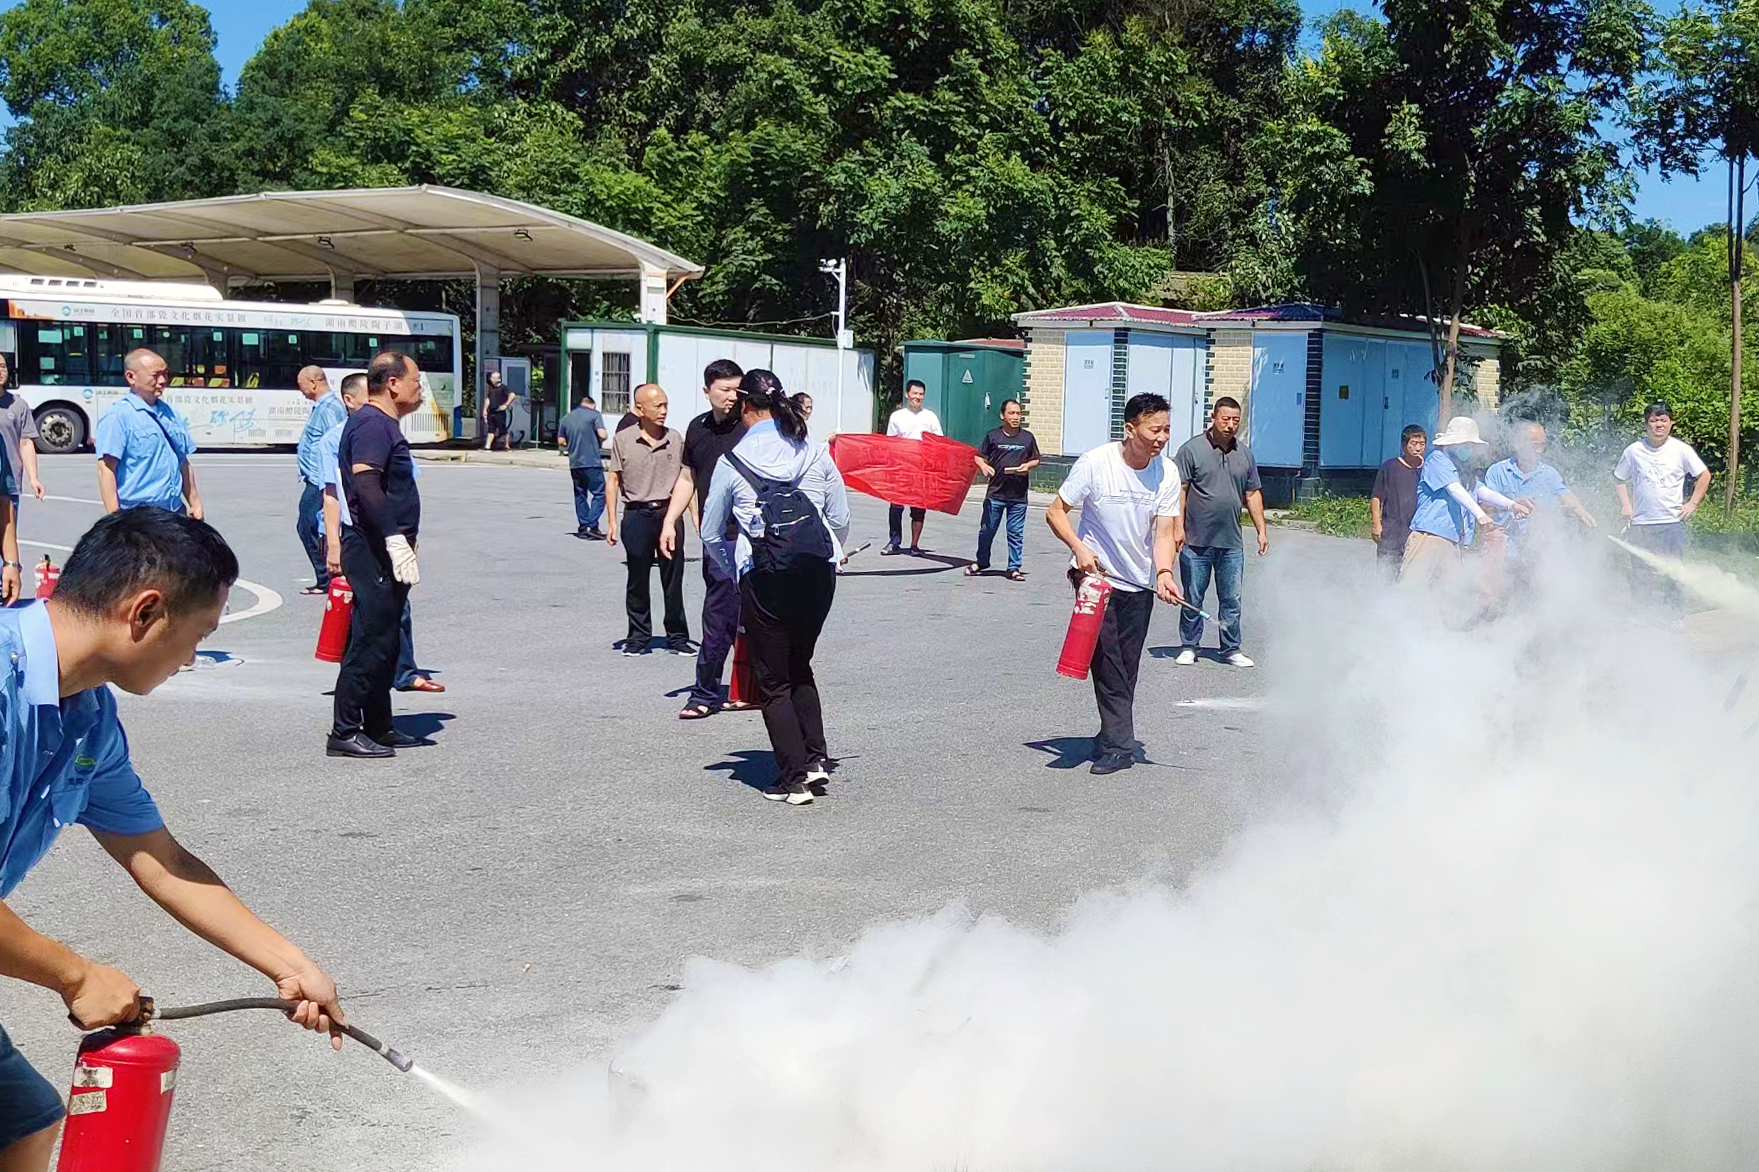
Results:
[378, 556]
[1393, 501]
[1007, 456]
[710, 436]
[498, 412]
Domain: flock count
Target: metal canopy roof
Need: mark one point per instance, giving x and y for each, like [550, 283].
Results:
[422, 232]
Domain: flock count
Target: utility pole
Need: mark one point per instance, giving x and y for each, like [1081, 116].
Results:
[845, 337]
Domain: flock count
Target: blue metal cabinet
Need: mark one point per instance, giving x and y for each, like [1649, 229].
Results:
[1279, 399]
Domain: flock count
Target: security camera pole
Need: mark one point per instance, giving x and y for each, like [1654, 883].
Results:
[845, 340]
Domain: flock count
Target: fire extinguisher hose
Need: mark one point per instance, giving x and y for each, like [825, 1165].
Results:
[176, 1013]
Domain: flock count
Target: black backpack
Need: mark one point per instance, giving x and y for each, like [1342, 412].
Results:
[793, 531]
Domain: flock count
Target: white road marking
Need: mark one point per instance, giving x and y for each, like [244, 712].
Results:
[266, 599]
[77, 500]
[1225, 703]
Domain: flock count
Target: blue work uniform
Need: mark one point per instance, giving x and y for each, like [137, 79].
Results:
[63, 761]
[1438, 513]
[150, 446]
[1544, 486]
[326, 413]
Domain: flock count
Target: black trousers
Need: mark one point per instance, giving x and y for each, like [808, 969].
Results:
[783, 614]
[641, 549]
[1116, 661]
[720, 627]
[895, 521]
[369, 665]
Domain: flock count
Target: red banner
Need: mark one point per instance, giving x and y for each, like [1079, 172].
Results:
[931, 473]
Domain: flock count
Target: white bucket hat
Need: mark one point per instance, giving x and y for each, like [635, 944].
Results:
[1461, 429]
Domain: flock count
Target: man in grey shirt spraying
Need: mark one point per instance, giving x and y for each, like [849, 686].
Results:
[1219, 477]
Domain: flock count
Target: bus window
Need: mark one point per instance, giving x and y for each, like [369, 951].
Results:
[433, 354]
[323, 348]
[358, 349]
[54, 355]
[269, 358]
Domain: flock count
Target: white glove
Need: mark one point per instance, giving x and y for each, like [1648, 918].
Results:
[402, 559]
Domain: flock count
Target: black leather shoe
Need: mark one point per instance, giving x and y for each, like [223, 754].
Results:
[1111, 763]
[358, 745]
[401, 740]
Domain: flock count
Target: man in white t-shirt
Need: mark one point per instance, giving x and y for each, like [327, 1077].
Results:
[1130, 531]
[1652, 475]
[912, 421]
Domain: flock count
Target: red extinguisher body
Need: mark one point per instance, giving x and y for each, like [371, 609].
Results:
[338, 612]
[120, 1103]
[48, 573]
[743, 688]
[1084, 625]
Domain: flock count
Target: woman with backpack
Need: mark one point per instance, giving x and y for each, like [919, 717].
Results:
[792, 511]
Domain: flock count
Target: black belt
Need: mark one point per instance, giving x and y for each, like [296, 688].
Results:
[646, 506]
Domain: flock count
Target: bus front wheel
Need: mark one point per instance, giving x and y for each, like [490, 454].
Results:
[60, 429]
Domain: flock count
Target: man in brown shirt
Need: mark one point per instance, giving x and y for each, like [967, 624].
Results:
[645, 462]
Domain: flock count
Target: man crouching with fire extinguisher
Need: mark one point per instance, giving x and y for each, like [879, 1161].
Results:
[140, 591]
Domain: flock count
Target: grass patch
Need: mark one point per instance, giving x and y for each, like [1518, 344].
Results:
[1048, 477]
[1335, 516]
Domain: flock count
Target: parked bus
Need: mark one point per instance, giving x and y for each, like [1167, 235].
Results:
[233, 365]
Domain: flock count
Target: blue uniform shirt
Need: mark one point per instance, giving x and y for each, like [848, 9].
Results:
[61, 761]
[1438, 512]
[1544, 486]
[329, 458]
[148, 470]
[326, 413]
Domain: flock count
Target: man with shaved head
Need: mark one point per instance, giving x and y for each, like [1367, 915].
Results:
[645, 463]
[327, 412]
[144, 446]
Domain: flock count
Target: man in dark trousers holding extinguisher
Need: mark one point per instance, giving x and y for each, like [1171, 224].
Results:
[378, 556]
[139, 592]
[1130, 533]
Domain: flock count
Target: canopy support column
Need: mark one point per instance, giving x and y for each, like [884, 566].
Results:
[488, 328]
[653, 295]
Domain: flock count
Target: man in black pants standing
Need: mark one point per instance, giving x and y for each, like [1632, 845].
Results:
[645, 464]
[1130, 532]
[710, 436]
[378, 556]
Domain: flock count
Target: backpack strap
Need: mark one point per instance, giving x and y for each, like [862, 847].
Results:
[757, 482]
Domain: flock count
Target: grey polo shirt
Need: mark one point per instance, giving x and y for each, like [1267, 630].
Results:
[646, 469]
[1216, 483]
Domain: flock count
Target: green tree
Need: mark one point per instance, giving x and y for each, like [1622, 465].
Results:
[1444, 158]
[116, 101]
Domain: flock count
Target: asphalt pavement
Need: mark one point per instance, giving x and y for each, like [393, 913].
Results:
[512, 900]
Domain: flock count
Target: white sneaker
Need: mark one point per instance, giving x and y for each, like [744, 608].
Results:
[1239, 659]
[1186, 657]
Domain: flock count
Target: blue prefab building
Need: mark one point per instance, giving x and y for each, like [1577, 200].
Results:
[1325, 399]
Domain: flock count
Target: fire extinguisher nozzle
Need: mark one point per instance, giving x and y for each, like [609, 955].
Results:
[394, 1057]
[398, 1059]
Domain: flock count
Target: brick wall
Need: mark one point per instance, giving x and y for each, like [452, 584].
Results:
[1120, 380]
[1487, 379]
[1230, 372]
[1043, 397]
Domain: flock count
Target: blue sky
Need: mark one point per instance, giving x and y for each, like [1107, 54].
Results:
[1687, 204]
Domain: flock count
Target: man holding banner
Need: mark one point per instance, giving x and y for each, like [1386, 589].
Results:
[912, 421]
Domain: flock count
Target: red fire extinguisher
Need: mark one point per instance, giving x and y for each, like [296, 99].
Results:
[48, 573]
[338, 611]
[120, 1102]
[1084, 624]
[743, 688]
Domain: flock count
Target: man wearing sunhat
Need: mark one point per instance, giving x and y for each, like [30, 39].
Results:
[1451, 504]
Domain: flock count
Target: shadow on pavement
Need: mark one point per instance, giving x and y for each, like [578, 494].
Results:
[943, 563]
[753, 767]
[421, 724]
[1066, 752]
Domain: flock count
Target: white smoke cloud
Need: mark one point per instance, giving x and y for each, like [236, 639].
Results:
[1500, 917]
